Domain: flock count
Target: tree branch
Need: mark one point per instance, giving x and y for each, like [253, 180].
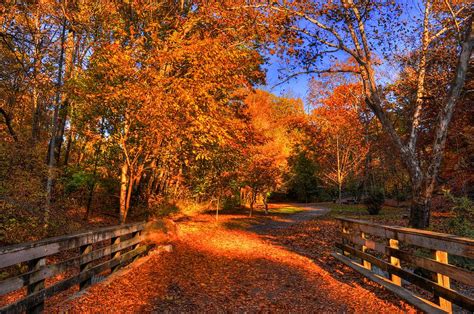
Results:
[330, 70]
[8, 122]
[446, 113]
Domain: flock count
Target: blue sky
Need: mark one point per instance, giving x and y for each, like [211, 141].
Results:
[298, 87]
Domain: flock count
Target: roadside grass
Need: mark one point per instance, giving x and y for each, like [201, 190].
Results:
[387, 215]
[285, 210]
[242, 221]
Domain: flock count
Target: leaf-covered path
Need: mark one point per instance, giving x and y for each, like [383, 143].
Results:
[222, 267]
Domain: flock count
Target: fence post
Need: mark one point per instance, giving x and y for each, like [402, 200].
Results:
[443, 280]
[115, 240]
[85, 249]
[136, 234]
[344, 241]
[36, 264]
[364, 249]
[394, 261]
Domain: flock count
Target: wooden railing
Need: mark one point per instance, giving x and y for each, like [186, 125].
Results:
[40, 265]
[410, 257]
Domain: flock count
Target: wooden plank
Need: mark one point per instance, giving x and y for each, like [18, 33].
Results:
[19, 253]
[31, 300]
[369, 244]
[364, 249]
[395, 262]
[345, 231]
[456, 273]
[452, 244]
[14, 283]
[115, 241]
[37, 286]
[443, 280]
[85, 249]
[418, 302]
[136, 234]
[451, 295]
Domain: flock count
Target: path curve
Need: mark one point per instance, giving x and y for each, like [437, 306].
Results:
[310, 211]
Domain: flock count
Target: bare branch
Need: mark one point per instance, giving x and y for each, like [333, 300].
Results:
[445, 29]
[330, 71]
[453, 15]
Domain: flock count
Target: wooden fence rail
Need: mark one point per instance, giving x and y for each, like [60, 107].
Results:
[39, 266]
[412, 257]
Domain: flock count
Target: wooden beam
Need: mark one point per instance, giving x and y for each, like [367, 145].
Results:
[456, 273]
[369, 244]
[85, 249]
[394, 261]
[451, 295]
[443, 280]
[418, 302]
[115, 241]
[428, 239]
[37, 286]
[35, 298]
[33, 276]
[364, 249]
[23, 252]
[453, 272]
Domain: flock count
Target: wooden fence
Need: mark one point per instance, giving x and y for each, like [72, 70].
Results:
[40, 265]
[410, 257]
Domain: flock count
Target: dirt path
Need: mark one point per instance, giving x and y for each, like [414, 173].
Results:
[282, 268]
[310, 211]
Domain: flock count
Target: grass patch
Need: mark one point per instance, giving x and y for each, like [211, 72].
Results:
[285, 210]
[359, 211]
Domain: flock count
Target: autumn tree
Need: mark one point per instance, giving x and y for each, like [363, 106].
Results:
[339, 144]
[274, 120]
[317, 35]
[168, 95]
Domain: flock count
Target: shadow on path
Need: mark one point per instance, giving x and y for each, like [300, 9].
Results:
[278, 267]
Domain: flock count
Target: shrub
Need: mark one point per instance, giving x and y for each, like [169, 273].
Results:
[374, 201]
[461, 223]
[462, 216]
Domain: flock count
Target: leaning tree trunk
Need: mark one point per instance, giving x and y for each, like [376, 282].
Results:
[420, 211]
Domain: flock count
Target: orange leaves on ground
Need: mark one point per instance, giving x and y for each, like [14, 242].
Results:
[213, 268]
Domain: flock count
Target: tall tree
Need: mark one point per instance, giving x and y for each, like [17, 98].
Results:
[317, 33]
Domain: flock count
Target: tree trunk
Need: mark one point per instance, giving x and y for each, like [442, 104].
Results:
[217, 207]
[420, 208]
[35, 128]
[89, 201]
[253, 197]
[68, 73]
[51, 159]
[131, 180]
[8, 122]
[265, 203]
[123, 192]
[339, 188]
[92, 184]
[68, 149]
[339, 172]
[36, 114]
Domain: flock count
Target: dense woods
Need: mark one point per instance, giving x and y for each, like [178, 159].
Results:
[136, 109]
